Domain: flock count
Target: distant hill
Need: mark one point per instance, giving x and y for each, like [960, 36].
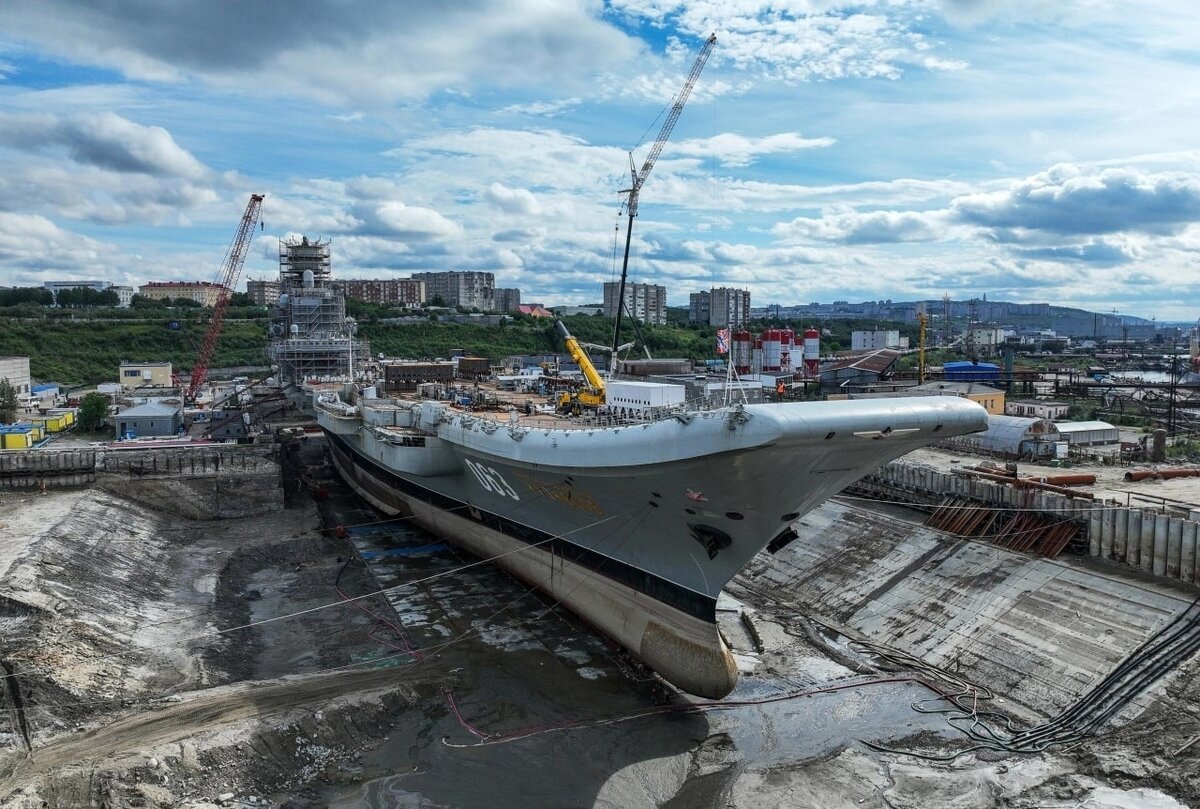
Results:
[1064, 320]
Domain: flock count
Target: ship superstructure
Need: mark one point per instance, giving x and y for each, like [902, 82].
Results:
[311, 337]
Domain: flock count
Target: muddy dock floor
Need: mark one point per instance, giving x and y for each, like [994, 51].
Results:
[319, 654]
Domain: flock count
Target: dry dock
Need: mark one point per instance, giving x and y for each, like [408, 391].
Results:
[186, 636]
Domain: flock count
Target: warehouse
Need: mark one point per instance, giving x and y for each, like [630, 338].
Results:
[150, 419]
[1088, 433]
[1013, 437]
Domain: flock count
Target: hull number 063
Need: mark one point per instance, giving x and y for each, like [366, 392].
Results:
[490, 479]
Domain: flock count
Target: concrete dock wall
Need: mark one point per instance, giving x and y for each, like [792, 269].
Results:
[1147, 539]
[43, 468]
[207, 482]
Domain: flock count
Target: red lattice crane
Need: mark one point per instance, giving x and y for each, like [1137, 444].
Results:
[231, 269]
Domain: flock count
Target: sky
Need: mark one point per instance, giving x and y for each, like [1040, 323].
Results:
[904, 149]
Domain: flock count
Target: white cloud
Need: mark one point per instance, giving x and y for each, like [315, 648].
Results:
[33, 246]
[1069, 200]
[367, 52]
[735, 150]
[104, 140]
[547, 109]
[410, 222]
[871, 227]
[512, 200]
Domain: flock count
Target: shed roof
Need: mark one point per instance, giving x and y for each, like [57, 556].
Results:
[1082, 426]
[958, 387]
[1018, 426]
[149, 409]
[876, 362]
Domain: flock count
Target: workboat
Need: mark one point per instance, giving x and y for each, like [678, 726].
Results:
[634, 520]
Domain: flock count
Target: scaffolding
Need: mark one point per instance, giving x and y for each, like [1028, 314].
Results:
[311, 337]
[299, 255]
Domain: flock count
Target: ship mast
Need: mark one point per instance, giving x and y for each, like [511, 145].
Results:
[639, 177]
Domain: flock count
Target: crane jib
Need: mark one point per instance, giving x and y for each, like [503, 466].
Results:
[639, 178]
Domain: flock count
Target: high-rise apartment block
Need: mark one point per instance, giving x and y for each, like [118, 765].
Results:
[506, 299]
[472, 290]
[720, 306]
[263, 293]
[406, 292]
[644, 302]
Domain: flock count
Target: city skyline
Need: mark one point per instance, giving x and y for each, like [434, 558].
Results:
[1033, 152]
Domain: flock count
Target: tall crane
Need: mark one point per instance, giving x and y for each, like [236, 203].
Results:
[639, 176]
[231, 268]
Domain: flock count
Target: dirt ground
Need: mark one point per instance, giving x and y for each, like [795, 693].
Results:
[156, 660]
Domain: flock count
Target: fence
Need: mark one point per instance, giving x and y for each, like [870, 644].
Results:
[1149, 539]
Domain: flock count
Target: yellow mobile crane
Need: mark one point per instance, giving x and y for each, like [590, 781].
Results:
[593, 396]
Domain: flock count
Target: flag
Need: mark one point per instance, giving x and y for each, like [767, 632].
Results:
[722, 341]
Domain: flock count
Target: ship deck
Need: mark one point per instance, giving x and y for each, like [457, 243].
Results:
[488, 401]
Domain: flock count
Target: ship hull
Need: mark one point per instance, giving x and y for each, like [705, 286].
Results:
[635, 528]
[685, 649]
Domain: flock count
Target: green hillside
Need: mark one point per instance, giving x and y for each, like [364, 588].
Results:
[85, 347]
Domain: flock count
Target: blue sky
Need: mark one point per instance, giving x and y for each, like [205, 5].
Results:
[1030, 151]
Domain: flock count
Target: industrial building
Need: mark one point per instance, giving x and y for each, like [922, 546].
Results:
[311, 337]
[646, 303]
[1088, 433]
[145, 374]
[991, 398]
[1016, 437]
[16, 371]
[205, 293]
[874, 340]
[967, 371]
[405, 376]
[1037, 409]
[149, 419]
[471, 290]
[860, 371]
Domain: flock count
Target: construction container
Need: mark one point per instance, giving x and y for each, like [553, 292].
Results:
[37, 431]
[69, 413]
[52, 423]
[16, 436]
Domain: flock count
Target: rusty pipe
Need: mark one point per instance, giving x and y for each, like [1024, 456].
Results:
[1068, 479]
[1163, 474]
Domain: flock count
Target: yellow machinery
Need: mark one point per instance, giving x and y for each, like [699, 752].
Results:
[593, 395]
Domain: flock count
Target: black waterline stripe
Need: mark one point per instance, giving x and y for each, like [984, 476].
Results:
[656, 587]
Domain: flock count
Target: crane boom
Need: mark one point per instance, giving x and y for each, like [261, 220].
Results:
[669, 124]
[639, 177]
[581, 358]
[230, 270]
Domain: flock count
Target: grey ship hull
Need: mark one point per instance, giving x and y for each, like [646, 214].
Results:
[636, 529]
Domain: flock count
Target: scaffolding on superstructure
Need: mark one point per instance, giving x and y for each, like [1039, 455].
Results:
[311, 337]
